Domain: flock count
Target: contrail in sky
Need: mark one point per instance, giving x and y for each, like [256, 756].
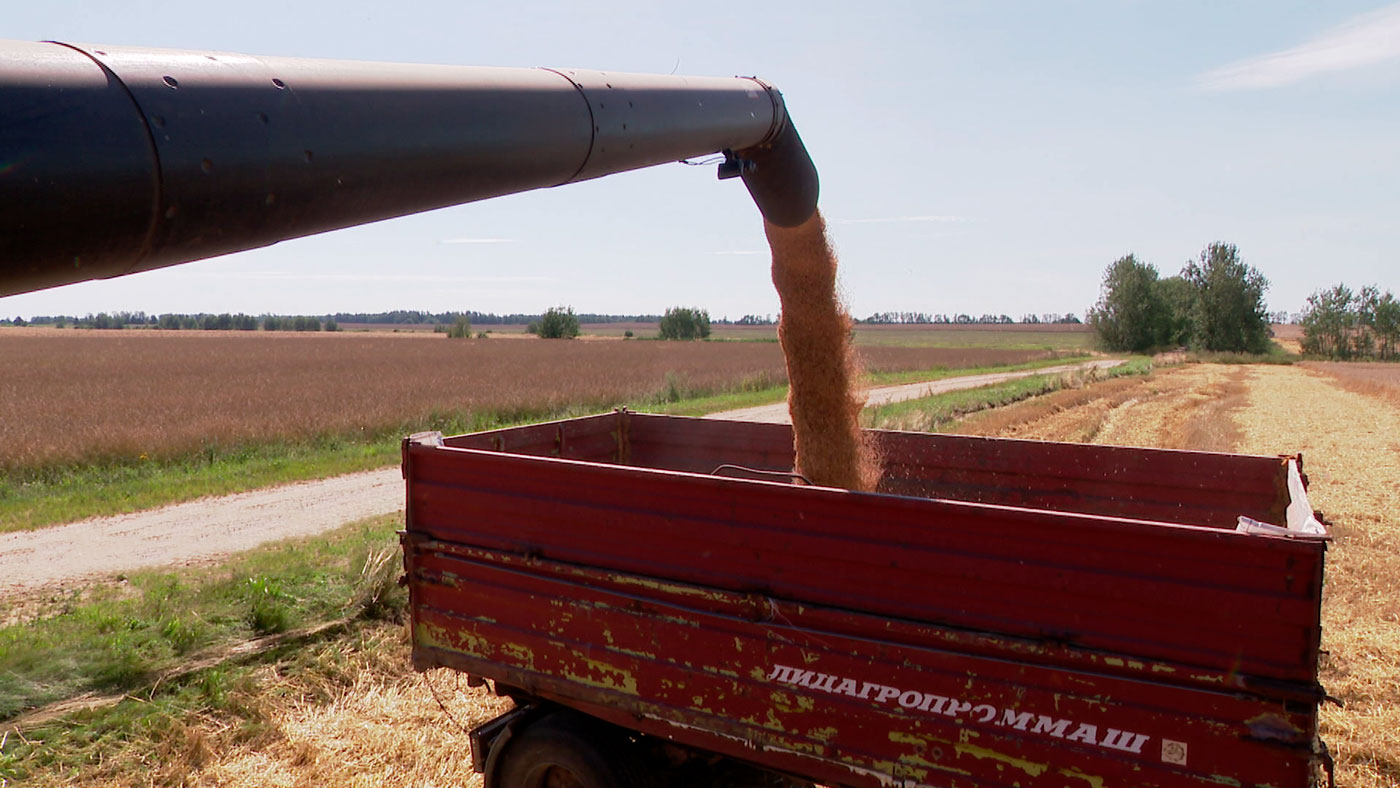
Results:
[1366, 40]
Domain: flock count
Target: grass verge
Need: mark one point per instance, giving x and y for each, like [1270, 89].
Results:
[166, 734]
[1276, 354]
[183, 695]
[764, 392]
[114, 638]
[939, 411]
[47, 496]
[938, 373]
[60, 495]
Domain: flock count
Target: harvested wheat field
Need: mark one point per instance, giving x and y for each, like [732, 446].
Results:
[1179, 408]
[1374, 378]
[1350, 443]
[1351, 448]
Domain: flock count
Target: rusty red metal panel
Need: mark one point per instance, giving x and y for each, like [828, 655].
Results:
[1198, 488]
[1195, 632]
[852, 705]
[1218, 599]
[701, 445]
[593, 438]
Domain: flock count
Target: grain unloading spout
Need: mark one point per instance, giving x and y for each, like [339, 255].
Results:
[115, 160]
[778, 172]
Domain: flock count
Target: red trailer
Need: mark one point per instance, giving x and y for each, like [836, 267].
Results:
[669, 605]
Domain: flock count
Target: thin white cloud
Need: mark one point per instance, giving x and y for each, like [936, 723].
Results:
[1366, 40]
[739, 251]
[477, 241]
[286, 276]
[903, 219]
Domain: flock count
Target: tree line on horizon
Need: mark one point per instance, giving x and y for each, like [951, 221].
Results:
[242, 322]
[223, 321]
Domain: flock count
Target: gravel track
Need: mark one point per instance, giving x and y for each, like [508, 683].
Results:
[885, 395]
[194, 532]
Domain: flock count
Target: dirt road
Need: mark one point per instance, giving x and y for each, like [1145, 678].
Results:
[205, 530]
[778, 412]
[192, 532]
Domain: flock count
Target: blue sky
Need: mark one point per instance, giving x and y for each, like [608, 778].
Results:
[975, 156]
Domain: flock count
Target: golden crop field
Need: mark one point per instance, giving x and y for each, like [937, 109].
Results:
[75, 396]
[1343, 419]
[1376, 378]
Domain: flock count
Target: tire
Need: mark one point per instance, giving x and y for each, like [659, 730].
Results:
[564, 750]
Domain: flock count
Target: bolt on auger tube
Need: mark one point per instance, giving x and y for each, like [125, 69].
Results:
[115, 160]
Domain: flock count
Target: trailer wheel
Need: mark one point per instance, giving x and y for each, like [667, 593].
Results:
[566, 750]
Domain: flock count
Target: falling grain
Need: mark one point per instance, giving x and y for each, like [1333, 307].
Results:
[815, 332]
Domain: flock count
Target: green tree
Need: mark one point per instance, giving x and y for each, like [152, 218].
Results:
[1179, 298]
[1228, 313]
[462, 329]
[559, 323]
[1131, 314]
[1343, 324]
[1329, 319]
[1385, 317]
[685, 323]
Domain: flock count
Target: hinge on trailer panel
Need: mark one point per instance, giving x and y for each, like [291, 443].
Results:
[624, 444]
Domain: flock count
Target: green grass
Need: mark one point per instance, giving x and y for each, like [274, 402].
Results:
[978, 337]
[57, 495]
[937, 373]
[34, 498]
[1274, 355]
[714, 403]
[126, 634]
[942, 410]
[762, 393]
[161, 734]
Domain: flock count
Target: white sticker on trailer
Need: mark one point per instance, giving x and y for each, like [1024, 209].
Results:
[1174, 752]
